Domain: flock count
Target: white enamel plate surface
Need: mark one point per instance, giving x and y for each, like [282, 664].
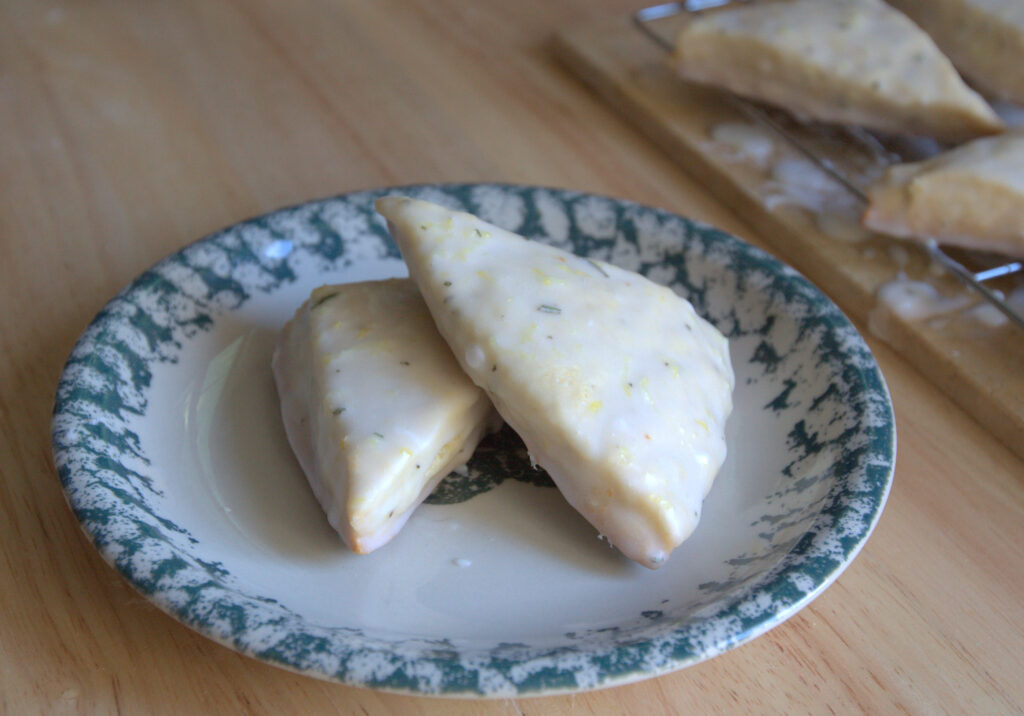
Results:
[170, 447]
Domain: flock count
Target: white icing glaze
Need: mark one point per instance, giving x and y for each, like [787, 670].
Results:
[918, 300]
[375, 407]
[743, 142]
[989, 315]
[799, 182]
[619, 390]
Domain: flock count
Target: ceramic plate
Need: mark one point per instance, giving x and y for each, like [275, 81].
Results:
[170, 447]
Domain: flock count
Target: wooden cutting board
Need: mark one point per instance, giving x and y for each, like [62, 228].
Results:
[977, 364]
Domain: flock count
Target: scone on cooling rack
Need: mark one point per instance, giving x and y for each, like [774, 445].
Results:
[983, 38]
[857, 62]
[971, 196]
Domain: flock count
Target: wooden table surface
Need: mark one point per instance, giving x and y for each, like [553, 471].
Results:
[130, 129]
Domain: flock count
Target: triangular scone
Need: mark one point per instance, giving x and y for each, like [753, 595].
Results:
[375, 407]
[972, 196]
[856, 62]
[983, 38]
[617, 387]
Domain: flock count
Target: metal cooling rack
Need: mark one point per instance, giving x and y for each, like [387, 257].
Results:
[983, 267]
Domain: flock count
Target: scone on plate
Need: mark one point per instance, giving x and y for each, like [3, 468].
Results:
[857, 62]
[376, 408]
[983, 38]
[971, 196]
[617, 387]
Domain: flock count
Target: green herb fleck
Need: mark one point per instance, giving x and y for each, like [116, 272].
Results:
[478, 232]
[337, 411]
[379, 436]
[447, 283]
[544, 308]
[596, 265]
[405, 362]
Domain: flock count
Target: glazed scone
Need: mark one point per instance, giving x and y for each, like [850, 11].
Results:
[376, 408]
[972, 196]
[617, 387]
[857, 62]
[983, 38]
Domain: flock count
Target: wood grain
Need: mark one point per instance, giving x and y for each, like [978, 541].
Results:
[978, 366]
[130, 129]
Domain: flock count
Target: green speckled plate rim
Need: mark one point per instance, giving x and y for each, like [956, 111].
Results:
[176, 585]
